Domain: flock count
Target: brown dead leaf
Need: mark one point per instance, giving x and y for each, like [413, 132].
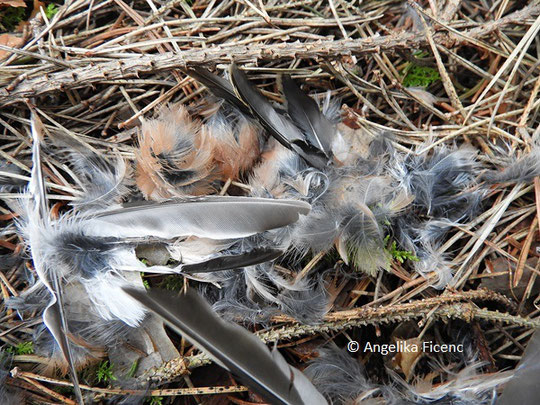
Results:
[12, 3]
[9, 40]
[407, 358]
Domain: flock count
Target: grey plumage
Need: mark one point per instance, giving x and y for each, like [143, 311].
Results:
[91, 251]
[37, 217]
[443, 183]
[343, 380]
[523, 388]
[277, 124]
[82, 248]
[219, 86]
[236, 261]
[305, 113]
[523, 170]
[233, 302]
[232, 347]
[307, 304]
[105, 183]
[213, 217]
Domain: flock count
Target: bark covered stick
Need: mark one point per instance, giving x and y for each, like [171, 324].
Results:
[132, 67]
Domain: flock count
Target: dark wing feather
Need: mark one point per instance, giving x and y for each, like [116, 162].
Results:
[305, 113]
[279, 126]
[523, 388]
[219, 87]
[231, 346]
[228, 262]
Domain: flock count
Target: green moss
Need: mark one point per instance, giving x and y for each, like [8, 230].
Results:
[415, 75]
[420, 76]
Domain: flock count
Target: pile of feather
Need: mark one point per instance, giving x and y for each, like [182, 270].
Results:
[221, 198]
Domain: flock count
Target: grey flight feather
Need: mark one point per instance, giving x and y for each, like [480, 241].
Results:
[305, 113]
[523, 388]
[231, 346]
[207, 217]
[279, 126]
[219, 87]
[37, 212]
[227, 262]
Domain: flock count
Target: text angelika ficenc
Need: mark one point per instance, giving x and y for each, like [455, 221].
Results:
[402, 346]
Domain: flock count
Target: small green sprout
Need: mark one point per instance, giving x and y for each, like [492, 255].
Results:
[399, 255]
[51, 10]
[155, 401]
[133, 369]
[104, 372]
[22, 348]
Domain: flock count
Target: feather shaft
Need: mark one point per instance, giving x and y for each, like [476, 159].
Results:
[231, 346]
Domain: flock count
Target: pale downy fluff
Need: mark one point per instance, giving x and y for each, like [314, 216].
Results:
[445, 190]
[343, 380]
[353, 213]
[522, 170]
[307, 302]
[97, 263]
[466, 387]
[258, 291]
[443, 182]
[104, 181]
[235, 142]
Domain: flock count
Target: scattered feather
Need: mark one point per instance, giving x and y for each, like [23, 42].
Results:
[232, 347]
